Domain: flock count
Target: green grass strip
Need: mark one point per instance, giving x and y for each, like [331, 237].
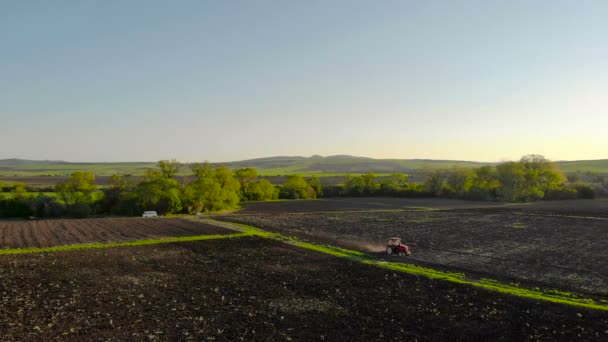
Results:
[428, 219]
[564, 216]
[120, 244]
[331, 250]
[548, 295]
[421, 208]
[553, 296]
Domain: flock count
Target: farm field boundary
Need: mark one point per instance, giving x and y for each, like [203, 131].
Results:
[565, 216]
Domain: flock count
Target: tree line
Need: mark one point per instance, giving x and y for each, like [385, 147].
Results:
[210, 188]
[531, 178]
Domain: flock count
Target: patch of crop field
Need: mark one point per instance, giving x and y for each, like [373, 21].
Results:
[362, 204]
[562, 252]
[51, 181]
[260, 290]
[48, 233]
[578, 208]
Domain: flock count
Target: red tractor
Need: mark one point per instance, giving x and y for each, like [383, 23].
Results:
[395, 247]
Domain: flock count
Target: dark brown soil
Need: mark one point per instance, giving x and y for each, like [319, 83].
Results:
[361, 203]
[588, 208]
[507, 243]
[46, 233]
[254, 289]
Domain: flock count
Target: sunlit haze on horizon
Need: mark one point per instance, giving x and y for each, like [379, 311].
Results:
[232, 80]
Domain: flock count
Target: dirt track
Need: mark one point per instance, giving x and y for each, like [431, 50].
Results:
[46, 233]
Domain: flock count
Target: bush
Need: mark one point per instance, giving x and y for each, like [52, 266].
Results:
[480, 194]
[584, 190]
[331, 190]
[261, 190]
[417, 191]
[296, 187]
[15, 207]
[561, 194]
[46, 207]
[79, 210]
[534, 194]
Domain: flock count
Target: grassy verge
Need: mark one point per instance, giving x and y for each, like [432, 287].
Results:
[566, 216]
[494, 285]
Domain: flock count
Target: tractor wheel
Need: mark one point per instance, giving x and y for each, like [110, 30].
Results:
[389, 251]
[401, 254]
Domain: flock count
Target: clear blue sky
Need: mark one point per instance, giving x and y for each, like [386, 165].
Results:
[228, 80]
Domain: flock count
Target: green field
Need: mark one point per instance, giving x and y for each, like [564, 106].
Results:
[600, 166]
[307, 166]
[11, 167]
[98, 195]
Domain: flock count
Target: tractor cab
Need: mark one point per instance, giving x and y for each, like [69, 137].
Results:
[395, 247]
[394, 241]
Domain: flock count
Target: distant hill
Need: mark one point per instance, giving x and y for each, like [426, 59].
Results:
[282, 165]
[598, 165]
[32, 168]
[345, 164]
[20, 162]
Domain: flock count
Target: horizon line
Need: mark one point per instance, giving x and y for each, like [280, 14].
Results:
[283, 156]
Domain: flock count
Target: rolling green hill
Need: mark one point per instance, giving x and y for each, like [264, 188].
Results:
[599, 165]
[344, 164]
[24, 168]
[332, 165]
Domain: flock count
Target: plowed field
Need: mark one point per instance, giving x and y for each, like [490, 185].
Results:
[264, 291]
[531, 245]
[47, 233]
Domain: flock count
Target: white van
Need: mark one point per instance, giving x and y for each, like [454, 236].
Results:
[149, 214]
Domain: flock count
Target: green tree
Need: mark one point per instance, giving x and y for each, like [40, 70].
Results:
[485, 185]
[541, 175]
[214, 189]
[19, 190]
[157, 192]
[353, 186]
[460, 180]
[296, 187]
[394, 183]
[204, 170]
[78, 189]
[369, 183]
[512, 177]
[169, 168]
[226, 179]
[435, 182]
[120, 197]
[118, 182]
[204, 195]
[316, 184]
[486, 178]
[260, 190]
[246, 176]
